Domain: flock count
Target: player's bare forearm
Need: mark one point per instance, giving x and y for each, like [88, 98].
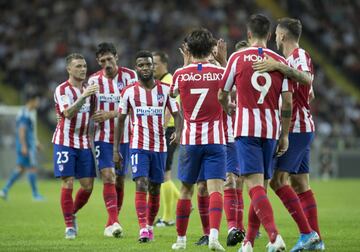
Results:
[22, 133]
[223, 97]
[167, 117]
[294, 74]
[74, 108]
[179, 123]
[286, 113]
[118, 132]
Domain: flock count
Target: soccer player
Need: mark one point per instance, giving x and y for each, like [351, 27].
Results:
[26, 146]
[112, 79]
[257, 125]
[300, 200]
[202, 150]
[146, 101]
[169, 193]
[73, 157]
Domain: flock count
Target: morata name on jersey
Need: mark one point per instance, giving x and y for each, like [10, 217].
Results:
[149, 111]
[200, 77]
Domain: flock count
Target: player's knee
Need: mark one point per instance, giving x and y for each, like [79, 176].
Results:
[141, 184]
[202, 189]
[230, 182]
[154, 188]
[279, 180]
[68, 182]
[108, 176]
[120, 181]
[186, 191]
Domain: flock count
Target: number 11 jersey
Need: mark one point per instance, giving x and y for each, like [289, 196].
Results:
[258, 94]
[198, 86]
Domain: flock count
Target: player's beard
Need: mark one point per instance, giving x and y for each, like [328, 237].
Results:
[146, 78]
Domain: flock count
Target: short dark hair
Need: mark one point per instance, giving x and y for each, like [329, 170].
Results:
[72, 57]
[164, 58]
[241, 44]
[143, 54]
[200, 42]
[259, 25]
[29, 96]
[105, 47]
[292, 25]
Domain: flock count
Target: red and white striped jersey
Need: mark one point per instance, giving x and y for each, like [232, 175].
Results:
[258, 94]
[198, 86]
[147, 110]
[73, 132]
[301, 116]
[228, 122]
[108, 99]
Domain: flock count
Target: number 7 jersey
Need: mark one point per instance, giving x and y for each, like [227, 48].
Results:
[198, 86]
[258, 94]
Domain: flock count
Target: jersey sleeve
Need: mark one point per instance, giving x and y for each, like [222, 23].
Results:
[287, 85]
[172, 105]
[174, 88]
[124, 102]
[228, 78]
[62, 99]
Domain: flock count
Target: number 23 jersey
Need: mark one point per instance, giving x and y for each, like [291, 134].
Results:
[258, 94]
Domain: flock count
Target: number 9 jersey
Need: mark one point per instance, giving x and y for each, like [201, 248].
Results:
[257, 113]
[198, 86]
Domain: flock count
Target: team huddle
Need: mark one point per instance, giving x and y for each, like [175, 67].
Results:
[242, 120]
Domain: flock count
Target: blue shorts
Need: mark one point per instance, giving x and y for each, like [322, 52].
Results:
[148, 164]
[256, 155]
[28, 161]
[71, 162]
[232, 159]
[201, 162]
[104, 156]
[296, 160]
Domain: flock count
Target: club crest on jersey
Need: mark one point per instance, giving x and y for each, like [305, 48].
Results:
[160, 98]
[120, 85]
[61, 167]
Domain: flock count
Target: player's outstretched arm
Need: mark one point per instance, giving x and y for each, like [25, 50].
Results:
[286, 111]
[269, 64]
[74, 108]
[179, 123]
[118, 134]
[101, 115]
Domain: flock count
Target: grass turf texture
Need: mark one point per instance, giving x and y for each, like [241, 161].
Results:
[38, 226]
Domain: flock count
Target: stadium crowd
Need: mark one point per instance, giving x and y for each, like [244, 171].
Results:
[36, 35]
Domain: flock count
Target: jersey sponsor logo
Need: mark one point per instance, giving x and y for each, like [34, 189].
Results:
[85, 108]
[252, 58]
[109, 98]
[201, 77]
[149, 111]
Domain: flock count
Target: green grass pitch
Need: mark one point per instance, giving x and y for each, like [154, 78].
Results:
[38, 226]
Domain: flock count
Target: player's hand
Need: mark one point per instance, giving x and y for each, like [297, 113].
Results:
[220, 55]
[268, 64]
[100, 116]
[185, 53]
[282, 146]
[90, 90]
[174, 138]
[117, 159]
[230, 109]
[24, 150]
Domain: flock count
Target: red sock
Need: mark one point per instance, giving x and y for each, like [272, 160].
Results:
[264, 210]
[183, 210]
[140, 205]
[253, 226]
[230, 204]
[120, 198]
[308, 204]
[153, 208]
[110, 198]
[82, 197]
[239, 210]
[215, 209]
[67, 206]
[292, 202]
[203, 205]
